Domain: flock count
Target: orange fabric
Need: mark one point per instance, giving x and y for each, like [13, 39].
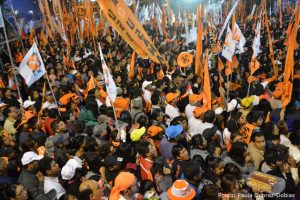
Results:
[2, 85]
[122, 182]
[164, 20]
[47, 18]
[195, 97]
[198, 111]
[34, 62]
[289, 62]
[128, 25]
[228, 69]
[154, 130]
[247, 131]
[148, 106]
[64, 100]
[184, 59]
[254, 65]
[146, 166]
[171, 96]
[58, 14]
[131, 72]
[280, 13]
[29, 114]
[160, 74]
[199, 50]
[121, 104]
[279, 89]
[91, 84]
[44, 38]
[220, 64]
[206, 85]
[19, 57]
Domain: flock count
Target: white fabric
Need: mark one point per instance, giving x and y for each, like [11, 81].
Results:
[49, 105]
[27, 73]
[189, 111]
[30, 156]
[229, 45]
[172, 111]
[53, 183]
[194, 126]
[256, 41]
[147, 96]
[239, 38]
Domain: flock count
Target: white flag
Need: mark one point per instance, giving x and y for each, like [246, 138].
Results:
[239, 38]
[179, 18]
[136, 12]
[229, 45]
[129, 2]
[1, 19]
[32, 67]
[256, 41]
[111, 87]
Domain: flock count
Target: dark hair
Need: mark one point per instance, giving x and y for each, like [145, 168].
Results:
[210, 192]
[232, 125]
[176, 150]
[212, 162]
[295, 137]
[267, 130]
[79, 126]
[45, 164]
[54, 124]
[191, 169]
[94, 162]
[60, 157]
[276, 153]
[85, 194]
[231, 168]
[209, 116]
[228, 183]
[197, 141]
[256, 134]
[155, 98]
[143, 148]
[146, 185]
[253, 116]
[237, 152]
[6, 111]
[125, 117]
[7, 191]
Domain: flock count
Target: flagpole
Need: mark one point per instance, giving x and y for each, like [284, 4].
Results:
[111, 102]
[52, 92]
[11, 59]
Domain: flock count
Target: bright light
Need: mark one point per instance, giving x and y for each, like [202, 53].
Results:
[30, 12]
[16, 12]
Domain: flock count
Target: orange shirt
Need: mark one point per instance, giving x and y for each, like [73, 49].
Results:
[146, 165]
[247, 131]
[121, 104]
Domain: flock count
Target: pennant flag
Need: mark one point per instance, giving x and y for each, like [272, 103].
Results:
[220, 64]
[229, 45]
[239, 38]
[111, 87]
[290, 61]
[130, 29]
[228, 18]
[59, 18]
[256, 41]
[1, 19]
[91, 84]
[32, 67]
[206, 85]
[199, 51]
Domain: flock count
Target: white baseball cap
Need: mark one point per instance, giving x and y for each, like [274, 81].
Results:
[28, 103]
[30, 156]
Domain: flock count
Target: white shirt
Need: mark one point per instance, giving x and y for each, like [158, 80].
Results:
[194, 126]
[147, 96]
[172, 111]
[49, 105]
[189, 111]
[52, 183]
[210, 125]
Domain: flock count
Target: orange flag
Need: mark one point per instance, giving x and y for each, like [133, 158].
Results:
[32, 36]
[164, 20]
[130, 29]
[91, 84]
[206, 84]
[47, 19]
[2, 85]
[43, 38]
[59, 16]
[131, 72]
[280, 13]
[220, 64]
[289, 63]
[254, 65]
[199, 51]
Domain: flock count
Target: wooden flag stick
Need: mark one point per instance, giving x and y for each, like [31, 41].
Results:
[52, 93]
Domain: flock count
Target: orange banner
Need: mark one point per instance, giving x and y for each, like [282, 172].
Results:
[44, 7]
[130, 29]
[59, 16]
[199, 50]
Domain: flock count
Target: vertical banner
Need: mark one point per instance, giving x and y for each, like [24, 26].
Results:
[199, 51]
[44, 7]
[59, 18]
[130, 29]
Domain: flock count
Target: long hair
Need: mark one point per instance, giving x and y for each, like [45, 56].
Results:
[237, 152]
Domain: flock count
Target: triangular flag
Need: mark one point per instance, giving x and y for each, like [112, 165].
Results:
[206, 85]
[111, 87]
[239, 38]
[32, 67]
[229, 45]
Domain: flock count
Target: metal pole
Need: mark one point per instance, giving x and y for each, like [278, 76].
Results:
[52, 93]
[11, 60]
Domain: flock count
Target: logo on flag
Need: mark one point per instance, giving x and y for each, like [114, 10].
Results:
[32, 67]
[239, 38]
[229, 46]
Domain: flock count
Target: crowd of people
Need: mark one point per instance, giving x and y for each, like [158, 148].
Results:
[157, 140]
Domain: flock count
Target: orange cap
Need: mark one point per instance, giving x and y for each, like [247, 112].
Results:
[195, 98]
[198, 111]
[154, 130]
[171, 96]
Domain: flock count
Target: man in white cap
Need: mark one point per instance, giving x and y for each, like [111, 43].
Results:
[29, 109]
[29, 177]
[50, 103]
